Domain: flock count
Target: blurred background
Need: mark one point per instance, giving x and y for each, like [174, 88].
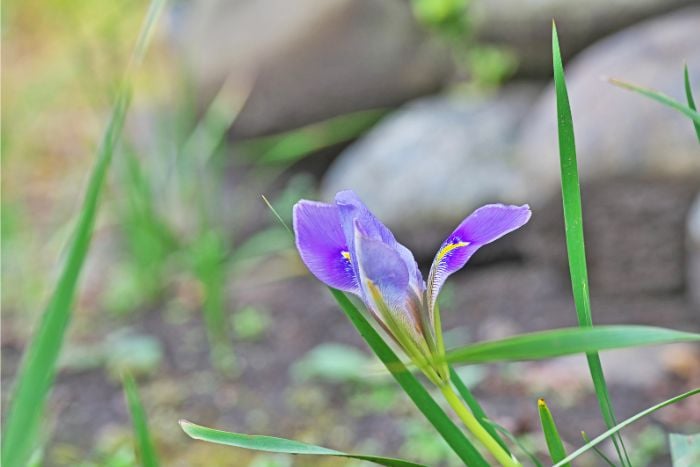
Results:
[428, 109]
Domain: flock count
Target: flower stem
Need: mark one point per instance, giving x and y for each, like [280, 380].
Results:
[477, 430]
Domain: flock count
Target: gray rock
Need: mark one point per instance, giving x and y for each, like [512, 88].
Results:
[620, 133]
[693, 257]
[427, 166]
[309, 59]
[524, 26]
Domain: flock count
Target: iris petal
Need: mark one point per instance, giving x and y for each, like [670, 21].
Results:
[322, 245]
[354, 212]
[483, 226]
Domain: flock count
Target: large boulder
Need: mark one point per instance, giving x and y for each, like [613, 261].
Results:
[425, 167]
[524, 25]
[308, 60]
[620, 133]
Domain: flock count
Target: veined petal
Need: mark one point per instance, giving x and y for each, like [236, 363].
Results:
[354, 212]
[483, 226]
[322, 245]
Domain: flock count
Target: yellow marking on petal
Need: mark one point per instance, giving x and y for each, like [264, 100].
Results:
[345, 254]
[449, 247]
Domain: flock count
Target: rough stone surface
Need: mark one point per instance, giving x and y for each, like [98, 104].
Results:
[427, 166]
[633, 231]
[309, 59]
[693, 244]
[524, 26]
[619, 132]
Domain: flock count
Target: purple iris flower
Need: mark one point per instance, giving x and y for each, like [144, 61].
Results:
[345, 246]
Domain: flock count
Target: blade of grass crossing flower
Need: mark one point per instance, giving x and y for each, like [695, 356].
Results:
[414, 389]
[623, 424]
[690, 99]
[693, 114]
[280, 445]
[36, 373]
[551, 434]
[475, 407]
[566, 341]
[685, 449]
[573, 221]
[144, 444]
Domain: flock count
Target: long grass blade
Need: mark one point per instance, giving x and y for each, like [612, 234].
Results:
[36, 374]
[598, 452]
[566, 341]
[662, 98]
[414, 389]
[475, 407]
[690, 99]
[281, 445]
[573, 222]
[501, 429]
[551, 434]
[144, 444]
[625, 423]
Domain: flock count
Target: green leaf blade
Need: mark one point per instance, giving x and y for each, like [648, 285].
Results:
[281, 445]
[573, 222]
[36, 373]
[551, 434]
[144, 443]
[566, 341]
[662, 98]
[690, 99]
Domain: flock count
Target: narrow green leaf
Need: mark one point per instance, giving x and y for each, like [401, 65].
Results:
[144, 445]
[598, 452]
[573, 222]
[689, 112]
[685, 449]
[293, 145]
[535, 461]
[551, 434]
[280, 445]
[566, 341]
[414, 389]
[476, 409]
[691, 101]
[625, 423]
[36, 373]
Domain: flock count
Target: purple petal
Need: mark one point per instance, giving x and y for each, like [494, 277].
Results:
[483, 226]
[322, 245]
[384, 267]
[353, 212]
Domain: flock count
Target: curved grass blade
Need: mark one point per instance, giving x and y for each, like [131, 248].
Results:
[280, 445]
[535, 461]
[555, 446]
[685, 449]
[36, 374]
[566, 341]
[476, 409]
[600, 454]
[573, 222]
[144, 444]
[689, 112]
[414, 389]
[620, 426]
[689, 98]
